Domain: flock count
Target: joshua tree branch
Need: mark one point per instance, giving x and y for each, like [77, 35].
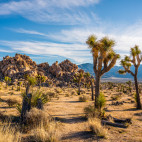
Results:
[113, 62]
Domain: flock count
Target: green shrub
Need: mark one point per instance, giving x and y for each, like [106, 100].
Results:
[101, 100]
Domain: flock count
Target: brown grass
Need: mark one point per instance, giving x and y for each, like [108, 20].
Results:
[9, 134]
[96, 127]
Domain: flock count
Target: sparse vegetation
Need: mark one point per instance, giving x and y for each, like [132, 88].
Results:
[83, 98]
[97, 128]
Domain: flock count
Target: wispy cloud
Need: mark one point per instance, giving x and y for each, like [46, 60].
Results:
[24, 31]
[59, 11]
[71, 43]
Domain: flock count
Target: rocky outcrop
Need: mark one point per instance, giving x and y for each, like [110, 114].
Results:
[68, 66]
[16, 67]
[12, 66]
[56, 70]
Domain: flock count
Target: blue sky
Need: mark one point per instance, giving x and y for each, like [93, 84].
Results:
[50, 30]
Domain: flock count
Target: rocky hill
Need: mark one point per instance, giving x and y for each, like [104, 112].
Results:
[16, 67]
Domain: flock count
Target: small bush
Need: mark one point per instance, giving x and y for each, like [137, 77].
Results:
[96, 127]
[73, 92]
[90, 112]
[12, 102]
[83, 98]
[101, 100]
[44, 128]
[36, 117]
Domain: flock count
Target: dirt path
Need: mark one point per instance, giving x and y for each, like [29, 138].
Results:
[70, 113]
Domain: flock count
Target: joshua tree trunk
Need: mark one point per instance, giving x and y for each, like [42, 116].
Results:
[97, 90]
[137, 93]
[26, 106]
[92, 89]
[79, 88]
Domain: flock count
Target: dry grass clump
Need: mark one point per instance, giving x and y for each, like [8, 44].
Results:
[44, 128]
[51, 94]
[9, 134]
[50, 134]
[73, 92]
[13, 101]
[58, 90]
[91, 112]
[96, 127]
[36, 117]
[83, 98]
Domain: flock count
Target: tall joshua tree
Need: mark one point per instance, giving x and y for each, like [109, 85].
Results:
[104, 58]
[127, 62]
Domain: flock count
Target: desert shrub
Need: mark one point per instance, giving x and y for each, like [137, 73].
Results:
[51, 94]
[73, 92]
[83, 98]
[96, 127]
[44, 128]
[9, 134]
[36, 117]
[12, 102]
[116, 97]
[90, 112]
[67, 95]
[101, 100]
[58, 90]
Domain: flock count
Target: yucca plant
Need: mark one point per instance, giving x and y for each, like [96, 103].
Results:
[39, 95]
[104, 58]
[135, 59]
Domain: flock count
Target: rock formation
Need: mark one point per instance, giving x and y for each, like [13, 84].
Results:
[16, 67]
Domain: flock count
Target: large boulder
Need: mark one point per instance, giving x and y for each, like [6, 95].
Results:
[56, 70]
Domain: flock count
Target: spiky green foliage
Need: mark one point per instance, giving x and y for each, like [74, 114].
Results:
[39, 95]
[31, 81]
[101, 100]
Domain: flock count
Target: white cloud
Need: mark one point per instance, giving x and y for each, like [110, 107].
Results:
[47, 48]
[72, 42]
[59, 11]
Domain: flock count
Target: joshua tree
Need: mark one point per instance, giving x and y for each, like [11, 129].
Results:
[104, 58]
[127, 62]
[40, 79]
[77, 78]
[7, 80]
[90, 80]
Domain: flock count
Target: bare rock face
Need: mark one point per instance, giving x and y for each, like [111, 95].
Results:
[68, 66]
[58, 74]
[10, 66]
[56, 70]
[43, 69]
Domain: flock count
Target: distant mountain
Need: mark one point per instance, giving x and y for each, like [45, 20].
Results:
[113, 73]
